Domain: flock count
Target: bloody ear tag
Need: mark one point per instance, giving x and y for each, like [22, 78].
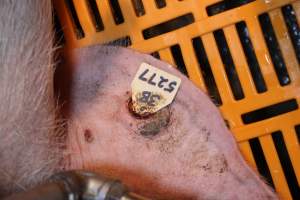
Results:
[153, 89]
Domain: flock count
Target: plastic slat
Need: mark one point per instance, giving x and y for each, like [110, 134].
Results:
[275, 167]
[191, 63]
[84, 17]
[166, 55]
[66, 22]
[149, 5]
[105, 12]
[247, 153]
[130, 21]
[285, 44]
[265, 127]
[293, 147]
[262, 54]
[217, 67]
[239, 59]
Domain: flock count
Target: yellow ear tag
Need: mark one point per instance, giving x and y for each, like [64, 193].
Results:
[152, 89]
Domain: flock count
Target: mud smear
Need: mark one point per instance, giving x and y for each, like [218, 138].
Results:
[170, 144]
[155, 123]
[216, 165]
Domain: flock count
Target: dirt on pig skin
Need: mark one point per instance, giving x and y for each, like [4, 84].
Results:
[184, 151]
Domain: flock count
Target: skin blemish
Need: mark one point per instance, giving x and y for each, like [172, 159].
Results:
[88, 136]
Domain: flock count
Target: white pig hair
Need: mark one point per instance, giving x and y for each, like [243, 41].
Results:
[31, 137]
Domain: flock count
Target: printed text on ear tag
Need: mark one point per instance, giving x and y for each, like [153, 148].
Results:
[152, 89]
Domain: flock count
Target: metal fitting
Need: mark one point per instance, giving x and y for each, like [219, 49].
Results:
[91, 186]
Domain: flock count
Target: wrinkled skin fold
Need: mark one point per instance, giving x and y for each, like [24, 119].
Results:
[184, 151]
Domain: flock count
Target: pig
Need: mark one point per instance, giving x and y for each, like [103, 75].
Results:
[183, 151]
[30, 131]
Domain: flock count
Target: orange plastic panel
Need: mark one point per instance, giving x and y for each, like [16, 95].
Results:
[90, 29]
